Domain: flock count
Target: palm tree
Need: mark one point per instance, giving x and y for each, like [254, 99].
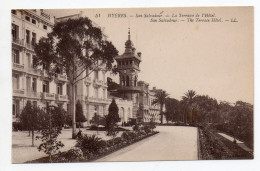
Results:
[160, 98]
[188, 100]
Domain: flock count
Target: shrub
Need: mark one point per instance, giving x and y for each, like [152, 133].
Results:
[147, 129]
[91, 144]
[73, 155]
[18, 126]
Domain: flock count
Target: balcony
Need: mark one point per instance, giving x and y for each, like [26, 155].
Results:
[63, 98]
[17, 41]
[87, 80]
[98, 82]
[105, 84]
[33, 94]
[61, 77]
[19, 92]
[18, 67]
[97, 100]
[35, 71]
[29, 46]
[48, 96]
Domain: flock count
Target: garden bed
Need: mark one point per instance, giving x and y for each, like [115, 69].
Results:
[117, 144]
[215, 147]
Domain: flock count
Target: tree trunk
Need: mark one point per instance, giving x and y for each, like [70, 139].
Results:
[32, 138]
[161, 106]
[72, 110]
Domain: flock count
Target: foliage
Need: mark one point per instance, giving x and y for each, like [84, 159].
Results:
[79, 113]
[98, 120]
[160, 98]
[51, 126]
[188, 105]
[29, 118]
[113, 112]
[73, 47]
[72, 155]
[111, 119]
[90, 144]
[173, 111]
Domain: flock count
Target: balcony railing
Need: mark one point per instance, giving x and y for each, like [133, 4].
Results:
[19, 92]
[18, 41]
[35, 71]
[19, 67]
[97, 100]
[29, 46]
[87, 80]
[33, 94]
[60, 97]
[48, 96]
[98, 82]
[62, 77]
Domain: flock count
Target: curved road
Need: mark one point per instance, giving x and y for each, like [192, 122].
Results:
[172, 143]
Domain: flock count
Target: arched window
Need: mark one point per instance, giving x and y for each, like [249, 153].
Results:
[127, 80]
[135, 81]
[123, 81]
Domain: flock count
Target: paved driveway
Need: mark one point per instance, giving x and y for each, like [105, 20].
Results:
[172, 143]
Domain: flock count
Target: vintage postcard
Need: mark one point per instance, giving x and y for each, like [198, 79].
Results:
[132, 84]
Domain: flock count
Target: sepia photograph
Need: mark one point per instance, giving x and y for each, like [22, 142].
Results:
[132, 84]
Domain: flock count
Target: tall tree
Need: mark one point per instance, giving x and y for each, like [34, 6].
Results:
[73, 47]
[111, 119]
[160, 98]
[29, 118]
[79, 114]
[188, 101]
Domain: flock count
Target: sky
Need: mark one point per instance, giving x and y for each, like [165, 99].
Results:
[215, 59]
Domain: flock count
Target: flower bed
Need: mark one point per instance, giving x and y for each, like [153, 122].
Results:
[90, 148]
[215, 147]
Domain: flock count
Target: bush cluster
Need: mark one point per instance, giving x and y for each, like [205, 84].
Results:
[92, 147]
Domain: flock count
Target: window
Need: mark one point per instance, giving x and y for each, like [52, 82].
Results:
[33, 38]
[34, 84]
[126, 62]
[104, 93]
[27, 36]
[104, 77]
[59, 89]
[15, 32]
[44, 27]
[119, 62]
[96, 75]
[130, 61]
[16, 56]
[33, 21]
[87, 91]
[96, 92]
[14, 12]
[27, 18]
[45, 86]
[127, 80]
[68, 89]
[34, 61]
[15, 81]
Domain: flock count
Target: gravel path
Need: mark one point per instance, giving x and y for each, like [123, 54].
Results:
[172, 143]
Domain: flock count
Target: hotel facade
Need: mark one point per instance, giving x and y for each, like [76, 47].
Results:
[134, 99]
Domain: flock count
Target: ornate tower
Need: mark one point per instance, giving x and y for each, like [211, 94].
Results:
[128, 66]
